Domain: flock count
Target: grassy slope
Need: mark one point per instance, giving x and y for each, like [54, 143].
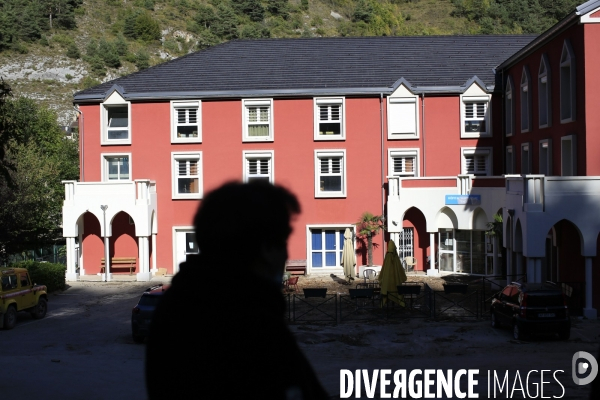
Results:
[45, 73]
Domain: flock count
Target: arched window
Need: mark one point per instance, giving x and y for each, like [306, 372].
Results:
[567, 83]
[509, 108]
[544, 90]
[525, 101]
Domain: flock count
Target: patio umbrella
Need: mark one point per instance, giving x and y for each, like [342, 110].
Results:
[348, 256]
[392, 274]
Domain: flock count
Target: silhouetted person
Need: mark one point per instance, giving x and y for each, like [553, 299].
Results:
[219, 331]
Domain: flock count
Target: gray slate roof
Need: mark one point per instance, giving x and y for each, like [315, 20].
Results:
[320, 66]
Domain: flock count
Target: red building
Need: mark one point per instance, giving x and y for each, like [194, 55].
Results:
[419, 129]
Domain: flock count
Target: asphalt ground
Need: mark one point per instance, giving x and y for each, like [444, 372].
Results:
[83, 349]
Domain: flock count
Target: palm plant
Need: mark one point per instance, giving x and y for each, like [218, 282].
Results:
[368, 226]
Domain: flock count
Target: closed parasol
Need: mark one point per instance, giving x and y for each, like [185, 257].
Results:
[348, 256]
[391, 276]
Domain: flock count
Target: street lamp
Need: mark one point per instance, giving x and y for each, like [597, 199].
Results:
[106, 246]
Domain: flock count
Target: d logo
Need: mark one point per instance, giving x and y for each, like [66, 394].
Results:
[584, 367]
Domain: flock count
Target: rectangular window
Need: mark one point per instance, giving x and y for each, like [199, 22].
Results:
[475, 116]
[403, 162]
[477, 161]
[115, 120]
[510, 160]
[258, 166]
[187, 175]
[546, 157]
[116, 167]
[463, 251]
[330, 173]
[329, 119]
[568, 155]
[402, 118]
[258, 120]
[525, 159]
[326, 246]
[186, 122]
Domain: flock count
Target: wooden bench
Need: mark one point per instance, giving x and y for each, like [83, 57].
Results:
[296, 267]
[119, 262]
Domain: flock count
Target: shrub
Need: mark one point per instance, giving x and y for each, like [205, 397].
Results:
[88, 82]
[142, 60]
[73, 52]
[51, 275]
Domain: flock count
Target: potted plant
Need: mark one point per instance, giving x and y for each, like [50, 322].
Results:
[368, 226]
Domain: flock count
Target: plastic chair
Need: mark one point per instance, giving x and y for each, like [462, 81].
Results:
[410, 263]
[369, 275]
[293, 281]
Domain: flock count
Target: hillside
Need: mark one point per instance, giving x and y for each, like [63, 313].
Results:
[63, 46]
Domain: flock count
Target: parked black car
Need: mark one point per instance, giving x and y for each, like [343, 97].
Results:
[531, 309]
[141, 315]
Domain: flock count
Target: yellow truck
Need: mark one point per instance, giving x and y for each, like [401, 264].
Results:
[18, 293]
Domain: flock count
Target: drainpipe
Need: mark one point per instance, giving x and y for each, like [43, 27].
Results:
[81, 164]
[423, 132]
[382, 167]
[503, 117]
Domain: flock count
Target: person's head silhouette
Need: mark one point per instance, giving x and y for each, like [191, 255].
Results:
[246, 226]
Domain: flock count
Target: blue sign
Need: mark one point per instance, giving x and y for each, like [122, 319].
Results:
[463, 199]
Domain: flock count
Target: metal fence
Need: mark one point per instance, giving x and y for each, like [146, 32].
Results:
[413, 300]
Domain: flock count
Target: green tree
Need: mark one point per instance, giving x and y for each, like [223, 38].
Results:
[368, 226]
[205, 16]
[147, 28]
[251, 8]
[142, 60]
[109, 54]
[73, 51]
[31, 196]
[225, 24]
[121, 46]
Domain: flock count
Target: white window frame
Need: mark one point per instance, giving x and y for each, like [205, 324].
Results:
[177, 156]
[402, 153]
[464, 100]
[525, 100]
[526, 163]
[188, 104]
[249, 103]
[476, 151]
[545, 150]
[544, 99]
[567, 81]
[329, 101]
[324, 227]
[113, 101]
[510, 160]
[104, 162]
[572, 157]
[259, 155]
[330, 153]
[509, 108]
[400, 109]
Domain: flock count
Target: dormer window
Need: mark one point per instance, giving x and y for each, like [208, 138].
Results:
[116, 120]
[475, 113]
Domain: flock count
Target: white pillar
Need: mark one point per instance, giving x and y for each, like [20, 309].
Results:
[72, 274]
[495, 259]
[588, 311]
[107, 274]
[509, 265]
[144, 259]
[519, 266]
[534, 270]
[154, 269]
[432, 271]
